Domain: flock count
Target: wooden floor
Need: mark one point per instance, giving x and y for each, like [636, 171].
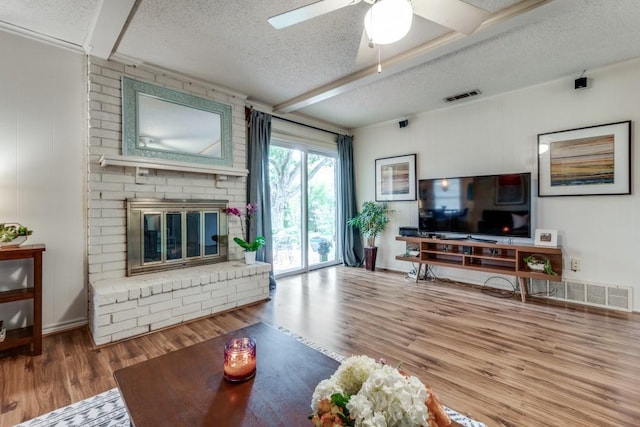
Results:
[497, 360]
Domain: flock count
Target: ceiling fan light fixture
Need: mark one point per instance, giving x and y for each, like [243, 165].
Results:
[387, 21]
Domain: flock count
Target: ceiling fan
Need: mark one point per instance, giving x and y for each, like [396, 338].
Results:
[454, 14]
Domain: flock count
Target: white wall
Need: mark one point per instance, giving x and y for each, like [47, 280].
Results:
[499, 135]
[50, 177]
[42, 173]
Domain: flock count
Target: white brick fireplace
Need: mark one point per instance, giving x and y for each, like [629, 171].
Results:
[120, 306]
[126, 307]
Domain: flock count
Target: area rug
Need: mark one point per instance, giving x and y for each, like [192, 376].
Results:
[102, 410]
[107, 409]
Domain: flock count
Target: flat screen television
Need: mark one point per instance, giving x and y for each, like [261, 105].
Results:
[493, 205]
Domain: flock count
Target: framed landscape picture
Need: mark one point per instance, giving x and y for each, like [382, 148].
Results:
[594, 160]
[396, 178]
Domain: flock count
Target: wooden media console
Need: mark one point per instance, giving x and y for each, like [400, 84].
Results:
[484, 256]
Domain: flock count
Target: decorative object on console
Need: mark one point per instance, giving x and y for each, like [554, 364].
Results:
[594, 160]
[396, 178]
[3, 332]
[13, 235]
[371, 221]
[546, 237]
[540, 263]
[364, 392]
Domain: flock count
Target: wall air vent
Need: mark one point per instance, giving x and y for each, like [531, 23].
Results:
[615, 297]
[460, 96]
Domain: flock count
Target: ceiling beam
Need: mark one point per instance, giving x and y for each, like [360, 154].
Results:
[498, 22]
[107, 26]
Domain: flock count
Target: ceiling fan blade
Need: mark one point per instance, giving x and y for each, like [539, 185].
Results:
[454, 14]
[307, 12]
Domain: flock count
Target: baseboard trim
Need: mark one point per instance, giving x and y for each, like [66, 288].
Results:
[63, 327]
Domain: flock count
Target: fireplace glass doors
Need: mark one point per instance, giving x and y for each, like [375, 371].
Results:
[169, 234]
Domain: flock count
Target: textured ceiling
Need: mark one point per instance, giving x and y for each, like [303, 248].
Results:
[230, 43]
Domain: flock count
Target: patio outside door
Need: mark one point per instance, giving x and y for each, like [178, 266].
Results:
[303, 208]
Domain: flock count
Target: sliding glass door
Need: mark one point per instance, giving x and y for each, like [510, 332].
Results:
[303, 208]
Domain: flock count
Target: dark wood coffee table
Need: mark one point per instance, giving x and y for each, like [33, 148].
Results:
[186, 387]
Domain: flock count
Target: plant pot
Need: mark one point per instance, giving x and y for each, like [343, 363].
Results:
[536, 267]
[370, 254]
[14, 243]
[250, 257]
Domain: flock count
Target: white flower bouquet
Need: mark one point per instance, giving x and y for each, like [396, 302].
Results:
[366, 393]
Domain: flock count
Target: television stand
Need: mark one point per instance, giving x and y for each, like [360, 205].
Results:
[486, 256]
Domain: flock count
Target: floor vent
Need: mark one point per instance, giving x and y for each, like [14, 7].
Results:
[608, 296]
[462, 95]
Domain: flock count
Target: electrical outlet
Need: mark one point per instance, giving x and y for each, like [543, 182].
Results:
[575, 264]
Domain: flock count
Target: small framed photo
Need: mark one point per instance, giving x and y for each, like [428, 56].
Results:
[396, 178]
[546, 237]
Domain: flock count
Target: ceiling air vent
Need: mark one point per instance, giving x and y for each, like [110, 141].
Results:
[462, 95]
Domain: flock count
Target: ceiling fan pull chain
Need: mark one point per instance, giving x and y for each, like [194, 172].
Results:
[379, 64]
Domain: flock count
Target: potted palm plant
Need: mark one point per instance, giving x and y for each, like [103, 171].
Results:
[371, 221]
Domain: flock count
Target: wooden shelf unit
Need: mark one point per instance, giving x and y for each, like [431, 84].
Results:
[30, 335]
[483, 256]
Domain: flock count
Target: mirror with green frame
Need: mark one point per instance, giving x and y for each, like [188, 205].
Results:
[163, 123]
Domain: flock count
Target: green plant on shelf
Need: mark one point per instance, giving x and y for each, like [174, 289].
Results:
[540, 263]
[8, 232]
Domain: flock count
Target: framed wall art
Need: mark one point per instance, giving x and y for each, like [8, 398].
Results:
[594, 160]
[396, 178]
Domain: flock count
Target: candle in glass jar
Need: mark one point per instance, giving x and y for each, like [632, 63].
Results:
[239, 359]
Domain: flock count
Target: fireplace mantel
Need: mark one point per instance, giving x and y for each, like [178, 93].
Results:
[142, 163]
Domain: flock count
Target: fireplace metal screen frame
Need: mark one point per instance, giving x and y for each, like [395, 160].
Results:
[136, 210]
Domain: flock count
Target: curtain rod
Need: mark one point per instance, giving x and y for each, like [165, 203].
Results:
[306, 125]
[247, 112]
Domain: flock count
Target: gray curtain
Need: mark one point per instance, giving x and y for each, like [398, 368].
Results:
[352, 252]
[258, 140]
